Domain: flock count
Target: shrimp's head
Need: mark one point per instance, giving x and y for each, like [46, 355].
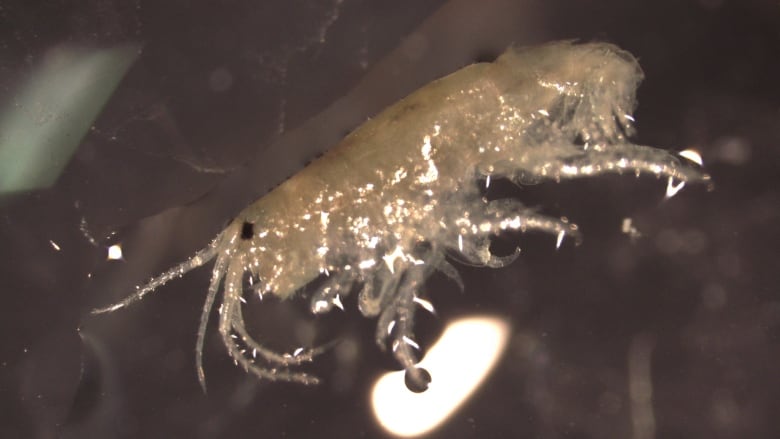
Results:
[586, 93]
[272, 263]
[565, 112]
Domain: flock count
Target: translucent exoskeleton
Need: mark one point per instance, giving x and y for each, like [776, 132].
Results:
[380, 211]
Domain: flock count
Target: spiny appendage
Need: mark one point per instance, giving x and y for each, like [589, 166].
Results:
[397, 322]
[620, 158]
[329, 294]
[511, 214]
[233, 331]
[473, 234]
[216, 277]
[200, 258]
[378, 290]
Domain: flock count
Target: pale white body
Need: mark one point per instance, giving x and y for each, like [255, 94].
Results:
[381, 208]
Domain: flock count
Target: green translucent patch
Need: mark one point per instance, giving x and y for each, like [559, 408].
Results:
[44, 123]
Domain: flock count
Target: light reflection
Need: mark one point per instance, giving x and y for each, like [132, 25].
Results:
[672, 188]
[115, 253]
[692, 155]
[458, 363]
[425, 304]
[45, 120]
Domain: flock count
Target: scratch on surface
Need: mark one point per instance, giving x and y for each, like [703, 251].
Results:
[329, 20]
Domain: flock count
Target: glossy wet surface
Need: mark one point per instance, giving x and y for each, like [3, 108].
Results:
[686, 316]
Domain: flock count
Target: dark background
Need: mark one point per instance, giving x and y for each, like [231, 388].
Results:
[228, 98]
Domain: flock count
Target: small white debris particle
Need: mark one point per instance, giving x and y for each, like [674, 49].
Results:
[115, 252]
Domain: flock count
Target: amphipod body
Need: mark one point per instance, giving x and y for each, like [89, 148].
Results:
[379, 211]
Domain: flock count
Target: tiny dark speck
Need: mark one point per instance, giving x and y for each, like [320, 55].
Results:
[247, 230]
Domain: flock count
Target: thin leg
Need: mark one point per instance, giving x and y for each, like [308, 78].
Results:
[403, 339]
[619, 158]
[371, 302]
[473, 238]
[404, 346]
[227, 323]
[269, 355]
[216, 278]
[510, 214]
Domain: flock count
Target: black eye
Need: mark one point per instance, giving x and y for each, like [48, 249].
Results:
[247, 230]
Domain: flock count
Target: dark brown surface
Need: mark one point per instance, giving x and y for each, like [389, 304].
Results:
[700, 286]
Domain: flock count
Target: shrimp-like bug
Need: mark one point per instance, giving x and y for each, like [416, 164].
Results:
[383, 208]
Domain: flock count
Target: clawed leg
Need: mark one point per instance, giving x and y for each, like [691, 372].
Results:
[476, 252]
[473, 241]
[397, 322]
[297, 358]
[232, 329]
[510, 214]
[619, 158]
[216, 277]
[377, 292]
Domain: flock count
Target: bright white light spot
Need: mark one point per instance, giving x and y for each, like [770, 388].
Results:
[570, 170]
[390, 327]
[692, 155]
[54, 245]
[368, 263]
[672, 189]
[513, 223]
[115, 252]
[411, 342]
[627, 227]
[337, 302]
[432, 173]
[558, 242]
[425, 304]
[458, 363]
[399, 175]
[391, 257]
[426, 148]
[320, 306]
